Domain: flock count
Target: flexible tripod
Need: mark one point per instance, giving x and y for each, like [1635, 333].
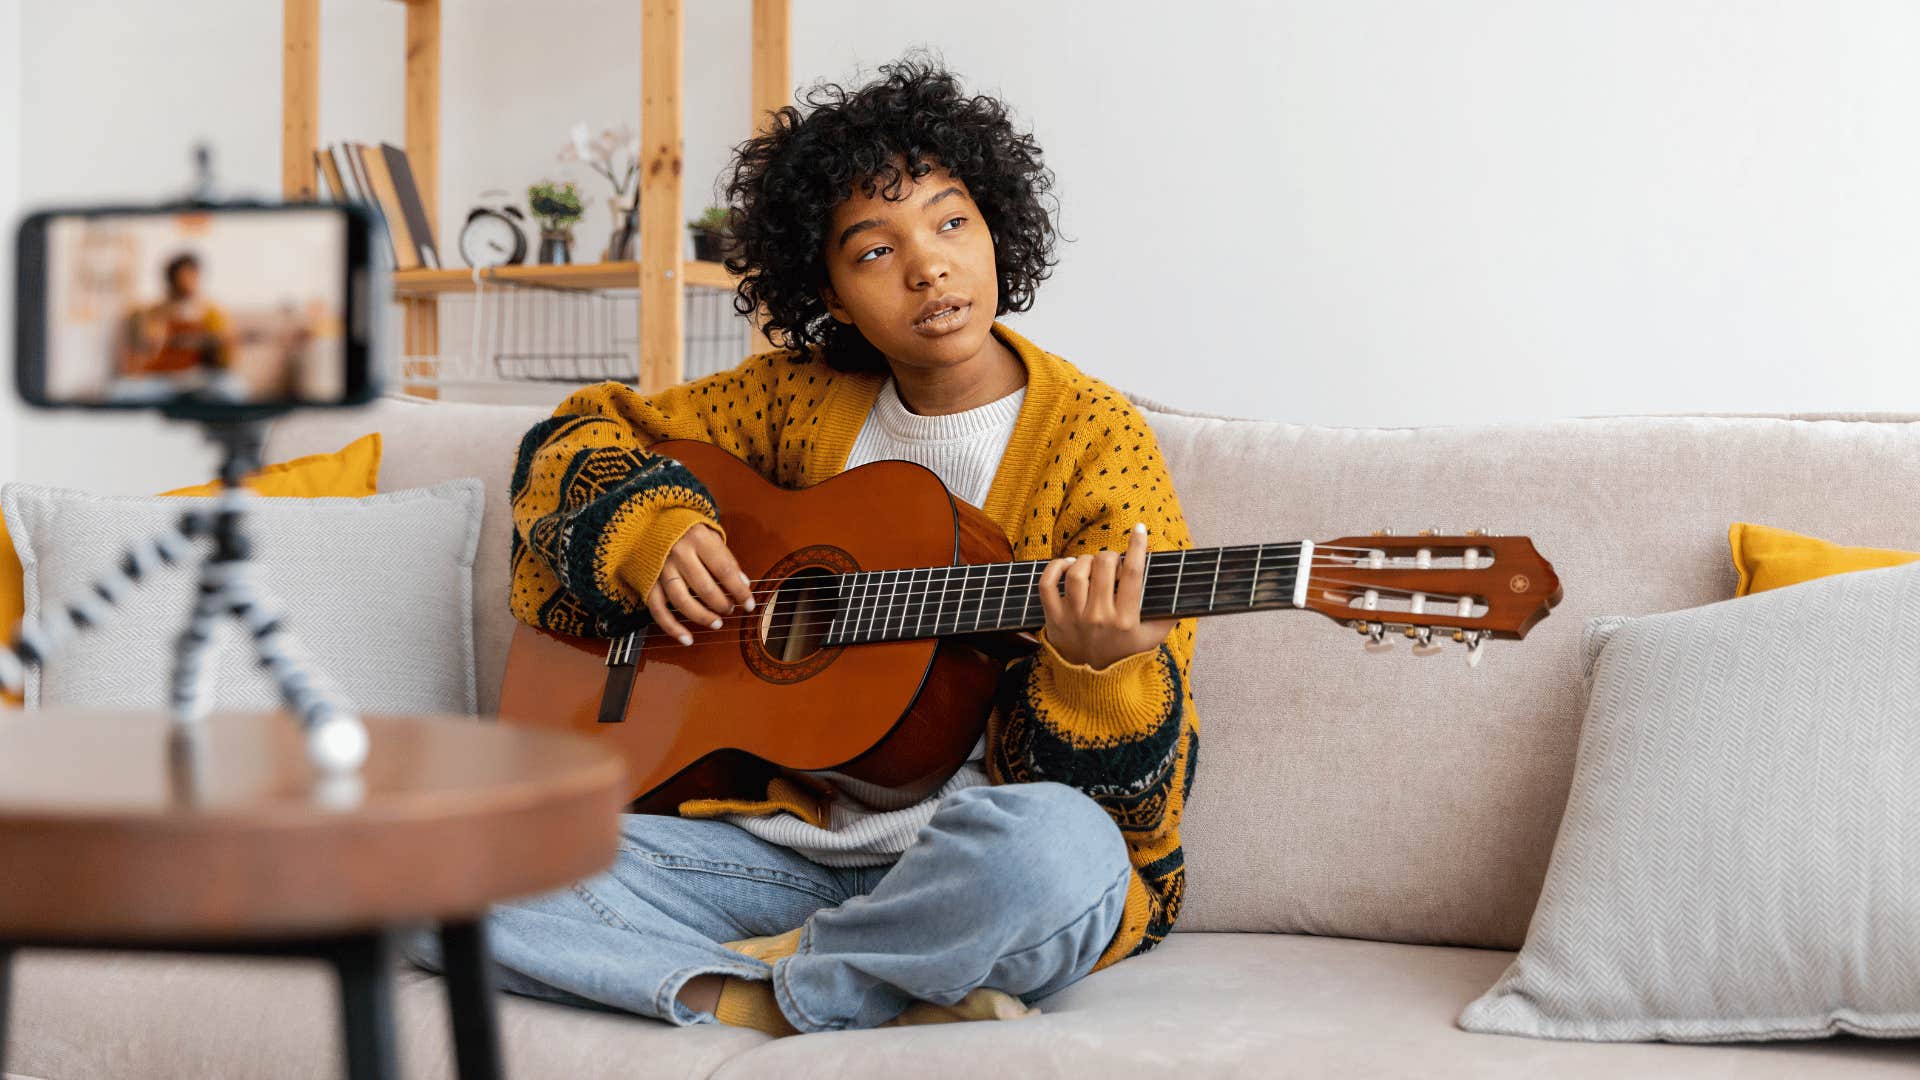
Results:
[336, 739]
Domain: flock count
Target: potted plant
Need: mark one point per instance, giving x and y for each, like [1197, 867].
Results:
[712, 237]
[614, 154]
[557, 205]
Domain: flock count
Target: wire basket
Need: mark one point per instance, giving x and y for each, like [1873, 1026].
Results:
[538, 337]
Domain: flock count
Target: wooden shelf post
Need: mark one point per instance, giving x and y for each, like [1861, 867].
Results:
[422, 314]
[772, 85]
[299, 96]
[662, 287]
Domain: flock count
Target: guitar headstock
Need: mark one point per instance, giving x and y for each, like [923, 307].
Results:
[1432, 588]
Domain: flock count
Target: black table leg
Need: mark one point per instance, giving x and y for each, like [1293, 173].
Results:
[6, 977]
[366, 999]
[476, 1028]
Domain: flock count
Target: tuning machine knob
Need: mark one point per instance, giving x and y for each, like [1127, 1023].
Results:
[1423, 643]
[1376, 635]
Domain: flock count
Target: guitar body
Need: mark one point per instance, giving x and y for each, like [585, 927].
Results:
[718, 718]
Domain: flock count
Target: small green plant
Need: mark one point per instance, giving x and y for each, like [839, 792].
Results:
[714, 220]
[556, 205]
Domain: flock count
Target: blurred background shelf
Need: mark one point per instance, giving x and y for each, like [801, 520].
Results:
[671, 303]
[613, 275]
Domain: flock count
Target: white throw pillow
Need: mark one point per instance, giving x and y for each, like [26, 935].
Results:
[377, 591]
[1740, 853]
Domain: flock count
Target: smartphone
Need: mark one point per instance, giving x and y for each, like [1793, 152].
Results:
[263, 305]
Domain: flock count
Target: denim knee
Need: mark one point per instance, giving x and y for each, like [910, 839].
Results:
[1055, 840]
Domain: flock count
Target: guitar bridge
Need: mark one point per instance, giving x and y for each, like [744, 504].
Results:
[619, 685]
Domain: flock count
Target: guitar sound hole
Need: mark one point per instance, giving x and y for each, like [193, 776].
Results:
[797, 618]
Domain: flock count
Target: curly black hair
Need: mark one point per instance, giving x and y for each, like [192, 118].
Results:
[787, 181]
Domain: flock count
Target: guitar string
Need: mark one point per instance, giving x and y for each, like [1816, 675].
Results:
[1240, 551]
[884, 620]
[707, 637]
[1277, 550]
[1208, 578]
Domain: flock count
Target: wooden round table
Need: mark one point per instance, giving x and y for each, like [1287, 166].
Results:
[115, 835]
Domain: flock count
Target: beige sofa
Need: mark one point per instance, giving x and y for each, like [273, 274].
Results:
[1366, 838]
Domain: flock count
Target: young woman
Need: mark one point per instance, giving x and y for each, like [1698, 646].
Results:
[884, 232]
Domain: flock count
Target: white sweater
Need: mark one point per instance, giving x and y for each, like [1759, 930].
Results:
[870, 825]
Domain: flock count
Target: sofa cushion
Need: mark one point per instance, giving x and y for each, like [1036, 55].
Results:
[1414, 799]
[1738, 858]
[1213, 1005]
[426, 442]
[390, 635]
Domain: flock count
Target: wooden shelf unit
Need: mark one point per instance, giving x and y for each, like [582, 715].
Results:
[662, 272]
[613, 275]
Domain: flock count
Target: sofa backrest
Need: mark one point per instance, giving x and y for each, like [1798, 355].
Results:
[1407, 798]
[1339, 792]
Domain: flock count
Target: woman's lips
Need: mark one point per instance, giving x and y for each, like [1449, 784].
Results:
[953, 320]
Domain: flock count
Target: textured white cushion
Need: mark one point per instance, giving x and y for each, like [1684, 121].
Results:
[1740, 853]
[377, 591]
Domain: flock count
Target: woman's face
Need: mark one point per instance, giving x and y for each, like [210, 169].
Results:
[887, 260]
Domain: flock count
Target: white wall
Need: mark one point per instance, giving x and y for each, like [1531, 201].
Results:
[1330, 211]
[9, 200]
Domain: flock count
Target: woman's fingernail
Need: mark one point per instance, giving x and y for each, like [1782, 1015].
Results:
[1140, 527]
[1070, 558]
[749, 603]
[686, 639]
[717, 624]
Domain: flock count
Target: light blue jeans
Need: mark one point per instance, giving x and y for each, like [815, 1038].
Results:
[1019, 888]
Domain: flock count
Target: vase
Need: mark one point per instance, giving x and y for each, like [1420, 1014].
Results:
[626, 225]
[709, 246]
[556, 247]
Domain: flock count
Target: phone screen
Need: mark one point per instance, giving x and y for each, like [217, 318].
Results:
[138, 307]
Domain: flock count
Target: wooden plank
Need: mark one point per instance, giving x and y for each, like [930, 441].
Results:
[299, 97]
[772, 88]
[422, 314]
[423, 104]
[614, 275]
[662, 225]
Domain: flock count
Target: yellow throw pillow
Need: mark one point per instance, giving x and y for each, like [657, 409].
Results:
[350, 472]
[1769, 558]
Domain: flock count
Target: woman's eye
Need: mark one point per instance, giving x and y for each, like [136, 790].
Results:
[950, 221]
[863, 258]
[883, 247]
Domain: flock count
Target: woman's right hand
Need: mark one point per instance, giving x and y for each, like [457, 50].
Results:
[702, 581]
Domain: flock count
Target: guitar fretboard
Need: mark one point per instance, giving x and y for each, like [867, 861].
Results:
[935, 601]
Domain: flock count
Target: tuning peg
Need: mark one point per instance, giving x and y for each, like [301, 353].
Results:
[1423, 643]
[1476, 644]
[1382, 532]
[1478, 532]
[1377, 639]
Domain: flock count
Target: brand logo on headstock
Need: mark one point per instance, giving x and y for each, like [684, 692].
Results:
[1518, 583]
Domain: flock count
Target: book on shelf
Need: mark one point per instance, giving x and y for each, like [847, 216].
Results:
[361, 187]
[387, 198]
[331, 185]
[412, 208]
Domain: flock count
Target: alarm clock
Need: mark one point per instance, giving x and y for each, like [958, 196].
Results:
[493, 237]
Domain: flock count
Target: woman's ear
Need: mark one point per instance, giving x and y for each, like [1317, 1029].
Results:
[834, 307]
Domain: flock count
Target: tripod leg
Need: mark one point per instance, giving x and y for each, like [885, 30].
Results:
[336, 739]
[35, 642]
[189, 700]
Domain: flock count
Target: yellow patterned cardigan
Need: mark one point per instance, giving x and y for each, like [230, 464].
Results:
[595, 514]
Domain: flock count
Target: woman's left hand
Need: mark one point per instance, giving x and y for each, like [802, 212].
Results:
[1098, 620]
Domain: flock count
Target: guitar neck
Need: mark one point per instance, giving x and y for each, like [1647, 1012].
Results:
[936, 601]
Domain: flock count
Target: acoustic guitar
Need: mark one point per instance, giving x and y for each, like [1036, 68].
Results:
[886, 609]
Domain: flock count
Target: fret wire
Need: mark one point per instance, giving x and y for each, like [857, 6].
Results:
[1000, 619]
[1026, 598]
[855, 583]
[1179, 571]
[865, 625]
[1254, 589]
[980, 609]
[1218, 554]
[895, 596]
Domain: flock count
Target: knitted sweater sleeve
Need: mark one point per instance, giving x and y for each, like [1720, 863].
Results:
[1126, 734]
[595, 511]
